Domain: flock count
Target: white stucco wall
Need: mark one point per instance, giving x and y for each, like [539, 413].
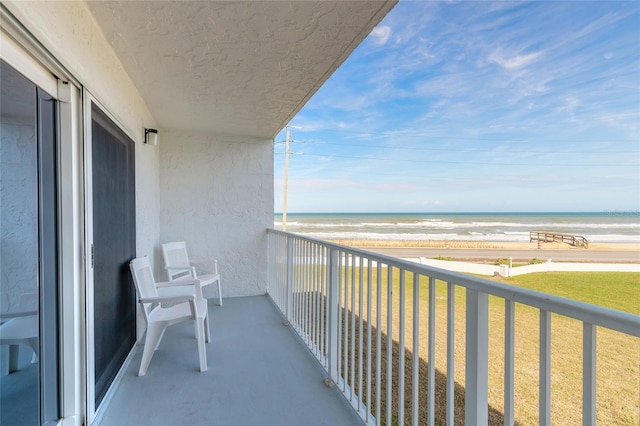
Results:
[147, 200]
[19, 211]
[217, 195]
[67, 29]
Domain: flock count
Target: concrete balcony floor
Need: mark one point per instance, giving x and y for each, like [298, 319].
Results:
[260, 373]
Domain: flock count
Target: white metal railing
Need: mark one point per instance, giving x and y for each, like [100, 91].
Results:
[360, 315]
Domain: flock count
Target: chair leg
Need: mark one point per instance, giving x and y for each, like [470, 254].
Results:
[207, 330]
[202, 350]
[35, 346]
[219, 293]
[154, 332]
[159, 339]
[14, 357]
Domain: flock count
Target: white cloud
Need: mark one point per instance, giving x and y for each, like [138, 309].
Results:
[514, 61]
[381, 34]
[569, 104]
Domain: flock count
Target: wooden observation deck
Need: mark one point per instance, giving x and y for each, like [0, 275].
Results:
[550, 237]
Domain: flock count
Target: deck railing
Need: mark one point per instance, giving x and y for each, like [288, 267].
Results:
[386, 330]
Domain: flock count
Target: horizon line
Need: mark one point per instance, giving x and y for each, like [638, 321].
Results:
[610, 211]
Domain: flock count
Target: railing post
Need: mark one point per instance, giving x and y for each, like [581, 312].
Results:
[477, 358]
[544, 398]
[509, 360]
[332, 316]
[289, 286]
[588, 374]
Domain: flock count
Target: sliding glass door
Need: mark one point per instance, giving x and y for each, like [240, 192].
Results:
[29, 376]
[114, 245]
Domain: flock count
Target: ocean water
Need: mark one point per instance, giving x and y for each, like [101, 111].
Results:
[603, 227]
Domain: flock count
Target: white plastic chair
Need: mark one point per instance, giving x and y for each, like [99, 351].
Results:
[179, 268]
[17, 332]
[161, 312]
[21, 329]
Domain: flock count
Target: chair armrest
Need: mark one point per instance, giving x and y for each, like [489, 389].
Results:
[10, 315]
[177, 283]
[174, 299]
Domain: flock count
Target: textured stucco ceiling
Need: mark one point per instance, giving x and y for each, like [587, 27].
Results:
[242, 68]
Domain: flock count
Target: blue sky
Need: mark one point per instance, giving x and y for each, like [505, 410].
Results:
[476, 106]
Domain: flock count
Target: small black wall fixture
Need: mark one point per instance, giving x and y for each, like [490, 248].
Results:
[151, 136]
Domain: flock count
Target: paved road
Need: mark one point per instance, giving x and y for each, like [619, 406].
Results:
[575, 255]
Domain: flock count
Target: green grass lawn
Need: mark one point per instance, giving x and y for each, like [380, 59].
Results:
[615, 290]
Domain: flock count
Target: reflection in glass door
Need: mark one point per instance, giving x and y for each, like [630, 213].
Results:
[28, 253]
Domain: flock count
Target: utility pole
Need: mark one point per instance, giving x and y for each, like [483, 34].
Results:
[286, 180]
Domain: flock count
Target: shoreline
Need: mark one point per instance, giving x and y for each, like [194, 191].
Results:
[467, 244]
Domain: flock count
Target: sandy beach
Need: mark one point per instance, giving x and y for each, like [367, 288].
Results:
[485, 245]
[472, 250]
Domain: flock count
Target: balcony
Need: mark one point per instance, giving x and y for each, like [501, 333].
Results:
[401, 342]
[259, 374]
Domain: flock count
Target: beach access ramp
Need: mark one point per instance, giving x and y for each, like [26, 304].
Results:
[551, 237]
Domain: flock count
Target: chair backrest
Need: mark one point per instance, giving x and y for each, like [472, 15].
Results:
[175, 254]
[143, 280]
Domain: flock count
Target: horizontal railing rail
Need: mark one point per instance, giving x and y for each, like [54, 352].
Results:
[371, 320]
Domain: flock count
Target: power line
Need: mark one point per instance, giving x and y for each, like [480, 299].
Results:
[408, 175]
[398, 135]
[483, 163]
[524, 151]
